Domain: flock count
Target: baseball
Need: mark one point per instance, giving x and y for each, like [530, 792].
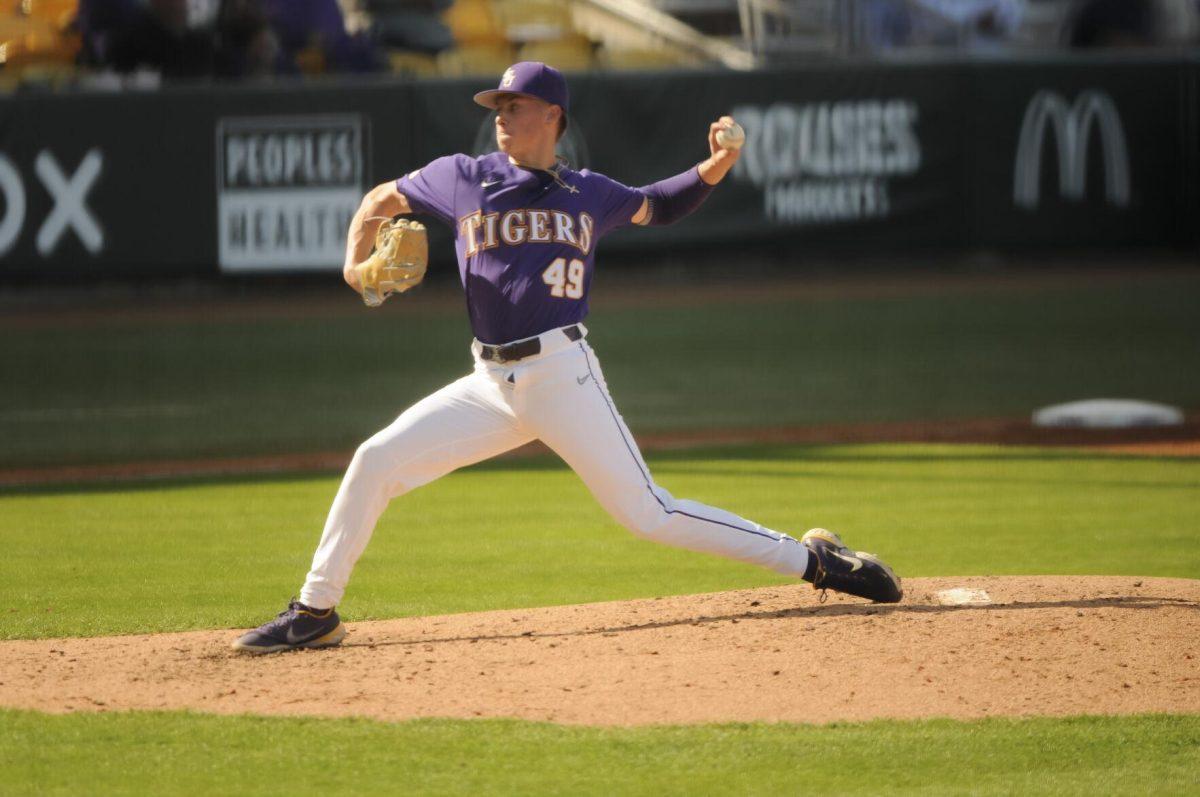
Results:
[731, 137]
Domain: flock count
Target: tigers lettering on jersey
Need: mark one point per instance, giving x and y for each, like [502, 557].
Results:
[481, 231]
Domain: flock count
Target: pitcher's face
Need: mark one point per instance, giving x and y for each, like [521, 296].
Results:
[524, 124]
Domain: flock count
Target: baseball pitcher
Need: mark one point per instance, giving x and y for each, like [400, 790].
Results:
[526, 227]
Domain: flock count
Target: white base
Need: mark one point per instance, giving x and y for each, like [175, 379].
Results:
[1108, 414]
[963, 596]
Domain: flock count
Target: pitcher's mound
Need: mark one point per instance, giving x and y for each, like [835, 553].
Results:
[959, 647]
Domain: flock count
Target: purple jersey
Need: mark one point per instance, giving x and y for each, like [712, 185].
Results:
[526, 241]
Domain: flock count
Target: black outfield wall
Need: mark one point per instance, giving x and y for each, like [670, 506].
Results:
[964, 154]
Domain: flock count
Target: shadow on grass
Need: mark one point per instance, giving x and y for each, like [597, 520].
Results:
[1133, 602]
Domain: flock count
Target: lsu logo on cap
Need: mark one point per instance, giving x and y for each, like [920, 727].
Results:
[508, 78]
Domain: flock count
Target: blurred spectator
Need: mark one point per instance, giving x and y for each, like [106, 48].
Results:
[1111, 23]
[1179, 21]
[247, 47]
[1132, 23]
[157, 37]
[203, 13]
[884, 24]
[312, 36]
[968, 24]
[223, 38]
[99, 21]
[413, 24]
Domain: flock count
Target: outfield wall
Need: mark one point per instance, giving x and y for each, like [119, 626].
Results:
[964, 154]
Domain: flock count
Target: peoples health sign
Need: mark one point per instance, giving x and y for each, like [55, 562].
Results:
[287, 188]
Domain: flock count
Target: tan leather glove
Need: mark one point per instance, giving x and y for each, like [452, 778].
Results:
[398, 263]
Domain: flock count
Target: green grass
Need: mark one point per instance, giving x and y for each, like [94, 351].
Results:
[212, 554]
[226, 553]
[108, 390]
[197, 554]
[162, 753]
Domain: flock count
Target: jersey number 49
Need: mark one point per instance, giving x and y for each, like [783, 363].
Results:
[565, 280]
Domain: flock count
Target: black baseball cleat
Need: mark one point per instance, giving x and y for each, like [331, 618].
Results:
[297, 626]
[854, 573]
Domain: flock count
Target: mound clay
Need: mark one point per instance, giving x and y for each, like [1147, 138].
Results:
[1052, 646]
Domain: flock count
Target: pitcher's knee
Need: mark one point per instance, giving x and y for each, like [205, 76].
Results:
[642, 513]
[371, 464]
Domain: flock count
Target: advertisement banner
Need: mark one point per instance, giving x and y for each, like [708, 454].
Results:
[289, 169]
[83, 190]
[1079, 154]
[287, 187]
[190, 181]
[855, 155]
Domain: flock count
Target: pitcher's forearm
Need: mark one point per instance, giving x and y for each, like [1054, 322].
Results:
[358, 242]
[714, 169]
[381, 203]
[361, 236]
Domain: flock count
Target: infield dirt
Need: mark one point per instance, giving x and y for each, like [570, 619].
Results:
[1043, 646]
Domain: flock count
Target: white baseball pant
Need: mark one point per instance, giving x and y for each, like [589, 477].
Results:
[559, 397]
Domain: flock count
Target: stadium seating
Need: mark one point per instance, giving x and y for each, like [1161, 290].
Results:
[412, 64]
[36, 42]
[474, 22]
[534, 20]
[491, 34]
[638, 59]
[570, 54]
[476, 59]
[59, 12]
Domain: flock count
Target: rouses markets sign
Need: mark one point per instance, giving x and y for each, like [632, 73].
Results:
[828, 162]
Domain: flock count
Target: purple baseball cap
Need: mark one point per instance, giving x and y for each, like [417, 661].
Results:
[530, 79]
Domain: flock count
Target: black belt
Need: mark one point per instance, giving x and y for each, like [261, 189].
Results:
[522, 348]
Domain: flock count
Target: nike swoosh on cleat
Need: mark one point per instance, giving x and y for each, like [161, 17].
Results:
[292, 639]
[854, 561]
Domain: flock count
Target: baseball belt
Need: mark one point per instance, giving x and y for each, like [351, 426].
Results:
[510, 352]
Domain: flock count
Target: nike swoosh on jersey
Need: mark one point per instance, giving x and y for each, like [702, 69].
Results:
[486, 184]
[582, 379]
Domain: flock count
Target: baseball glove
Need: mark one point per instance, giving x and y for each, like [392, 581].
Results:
[398, 262]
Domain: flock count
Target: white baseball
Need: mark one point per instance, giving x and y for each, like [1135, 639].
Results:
[731, 137]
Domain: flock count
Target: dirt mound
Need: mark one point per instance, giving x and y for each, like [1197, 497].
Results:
[1042, 645]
